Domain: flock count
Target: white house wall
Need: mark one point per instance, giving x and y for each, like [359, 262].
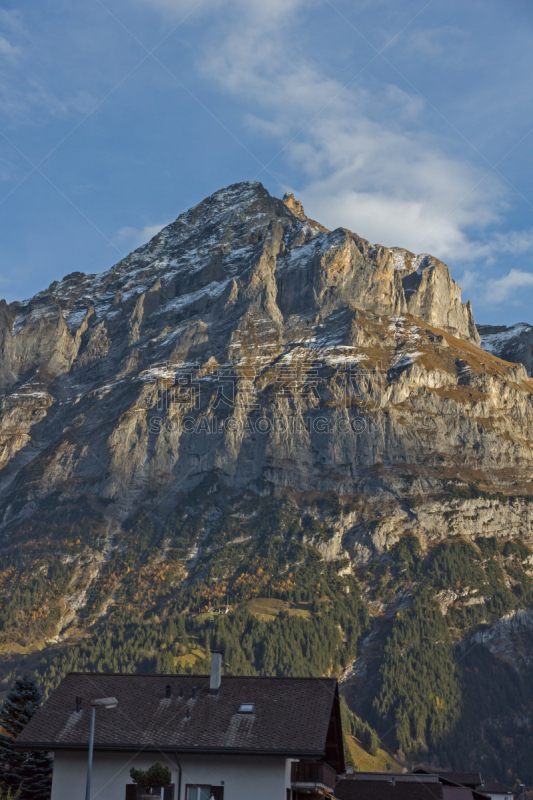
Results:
[243, 777]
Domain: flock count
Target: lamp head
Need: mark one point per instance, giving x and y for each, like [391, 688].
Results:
[105, 702]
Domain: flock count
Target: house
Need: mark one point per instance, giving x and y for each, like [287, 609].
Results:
[496, 791]
[469, 779]
[384, 786]
[233, 738]
[418, 785]
[459, 785]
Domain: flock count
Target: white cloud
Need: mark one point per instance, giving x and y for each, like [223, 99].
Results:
[469, 280]
[257, 9]
[129, 239]
[366, 159]
[498, 290]
[513, 242]
[172, 7]
[11, 23]
[392, 187]
[444, 42]
[8, 49]
[513, 287]
[24, 92]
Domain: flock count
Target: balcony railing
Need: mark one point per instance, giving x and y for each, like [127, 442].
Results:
[313, 772]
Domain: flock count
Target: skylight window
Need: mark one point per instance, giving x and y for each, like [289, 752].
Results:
[247, 708]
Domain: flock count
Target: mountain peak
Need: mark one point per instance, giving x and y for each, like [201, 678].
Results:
[244, 249]
[294, 206]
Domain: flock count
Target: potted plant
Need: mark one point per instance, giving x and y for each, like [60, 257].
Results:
[155, 777]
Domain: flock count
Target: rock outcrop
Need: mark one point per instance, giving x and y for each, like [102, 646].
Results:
[247, 342]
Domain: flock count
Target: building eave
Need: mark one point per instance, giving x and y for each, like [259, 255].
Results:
[56, 747]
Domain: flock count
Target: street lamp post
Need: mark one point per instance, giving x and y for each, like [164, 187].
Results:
[105, 702]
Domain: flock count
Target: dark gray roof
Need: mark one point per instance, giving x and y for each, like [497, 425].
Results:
[496, 788]
[458, 793]
[404, 777]
[471, 779]
[291, 715]
[386, 789]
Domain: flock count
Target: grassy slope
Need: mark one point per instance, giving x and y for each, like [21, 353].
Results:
[364, 762]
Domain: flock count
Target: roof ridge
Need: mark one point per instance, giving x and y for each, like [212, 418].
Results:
[225, 677]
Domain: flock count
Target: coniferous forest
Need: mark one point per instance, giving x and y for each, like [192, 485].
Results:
[260, 589]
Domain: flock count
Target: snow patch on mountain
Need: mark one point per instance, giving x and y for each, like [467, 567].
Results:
[494, 342]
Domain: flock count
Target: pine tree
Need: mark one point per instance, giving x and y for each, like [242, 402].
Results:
[37, 782]
[18, 769]
[8, 794]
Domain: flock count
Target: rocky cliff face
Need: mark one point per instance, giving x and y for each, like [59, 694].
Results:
[249, 340]
[247, 351]
[237, 290]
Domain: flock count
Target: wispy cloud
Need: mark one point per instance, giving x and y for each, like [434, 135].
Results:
[130, 238]
[258, 9]
[393, 187]
[366, 161]
[515, 287]
[24, 93]
[8, 49]
[469, 280]
[512, 242]
[365, 158]
[500, 290]
[11, 22]
[445, 42]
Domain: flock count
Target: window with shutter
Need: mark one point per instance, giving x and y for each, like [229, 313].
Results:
[168, 792]
[131, 791]
[217, 792]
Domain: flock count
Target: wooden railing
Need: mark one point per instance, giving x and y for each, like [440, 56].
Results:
[313, 772]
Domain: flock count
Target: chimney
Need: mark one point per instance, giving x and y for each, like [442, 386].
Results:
[78, 704]
[216, 671]
[168, 692]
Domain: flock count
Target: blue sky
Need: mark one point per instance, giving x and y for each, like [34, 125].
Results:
[411, 123]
